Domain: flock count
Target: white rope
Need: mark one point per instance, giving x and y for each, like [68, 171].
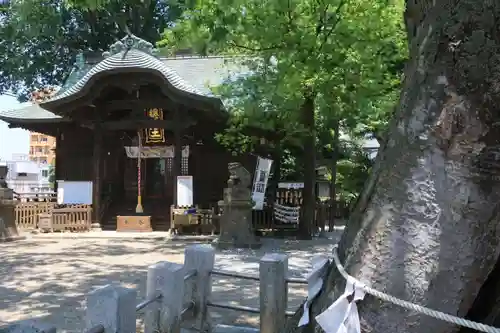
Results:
[286, 214]
[411, 306]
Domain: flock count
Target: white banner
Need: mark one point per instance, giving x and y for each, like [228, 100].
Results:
[260, 182]
[154, 151]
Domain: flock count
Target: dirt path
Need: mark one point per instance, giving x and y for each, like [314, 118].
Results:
[48, 277]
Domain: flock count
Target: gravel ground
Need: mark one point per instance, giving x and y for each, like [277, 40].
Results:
[47, 276]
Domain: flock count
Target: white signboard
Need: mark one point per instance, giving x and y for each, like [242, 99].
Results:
[260, 182]
[74, 192]
[185, 191]
[290, 185]
[155, 151]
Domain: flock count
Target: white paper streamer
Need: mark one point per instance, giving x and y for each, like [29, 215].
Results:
[342, 316]
[314, 284]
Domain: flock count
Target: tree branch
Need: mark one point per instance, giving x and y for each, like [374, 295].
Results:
[322, 20]
[289, 16]
[260, 49]
[334, 24]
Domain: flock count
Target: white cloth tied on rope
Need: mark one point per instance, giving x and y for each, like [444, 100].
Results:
[314, 284]
[342, 316]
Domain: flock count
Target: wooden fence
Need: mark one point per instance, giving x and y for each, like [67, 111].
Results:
[29, 215]
[207, 220]
[180, 295]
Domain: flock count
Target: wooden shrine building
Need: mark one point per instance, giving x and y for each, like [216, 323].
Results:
[110, 106]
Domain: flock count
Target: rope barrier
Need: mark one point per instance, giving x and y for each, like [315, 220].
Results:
[145, 303]
[411, 306]
[234, 275]
[286, 214]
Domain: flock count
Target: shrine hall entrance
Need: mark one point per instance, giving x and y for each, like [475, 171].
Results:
[156, 181]
[156, 175]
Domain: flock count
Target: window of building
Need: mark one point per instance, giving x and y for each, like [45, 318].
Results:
[39, 149]
[45, 173]
[22, 174]
[43, 139]
[43, 160]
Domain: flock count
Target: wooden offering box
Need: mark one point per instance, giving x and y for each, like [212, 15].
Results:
[133, 223]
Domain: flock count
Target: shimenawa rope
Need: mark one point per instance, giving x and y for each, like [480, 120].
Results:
[411, 306]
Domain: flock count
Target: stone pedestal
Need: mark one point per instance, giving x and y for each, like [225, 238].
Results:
[8, 229]
[236, 221]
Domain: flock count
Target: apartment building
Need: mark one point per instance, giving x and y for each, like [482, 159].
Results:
[42, 148]
[27, 177]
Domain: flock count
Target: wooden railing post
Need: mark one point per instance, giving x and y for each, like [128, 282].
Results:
[112, 307]
[273, 270]
[199, 258]
[165, 279]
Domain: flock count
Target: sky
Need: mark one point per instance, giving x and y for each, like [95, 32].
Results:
[12, 141]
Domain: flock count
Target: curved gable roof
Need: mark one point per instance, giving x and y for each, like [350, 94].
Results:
[132, 53]
[130, 60]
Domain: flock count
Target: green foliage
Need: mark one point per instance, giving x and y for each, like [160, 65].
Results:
[348, 53]
[41, 38]
[353, 169]
[52, 174]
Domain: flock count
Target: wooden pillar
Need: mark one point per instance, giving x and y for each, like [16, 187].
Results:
[58, 164]
[96, 190]
[176, 167]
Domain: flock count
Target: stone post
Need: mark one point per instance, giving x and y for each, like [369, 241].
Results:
[200, 258]
[165, 279]
[112, 307]
[273, 270]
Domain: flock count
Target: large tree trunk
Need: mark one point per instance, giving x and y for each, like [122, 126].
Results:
[426, 228]
[333, 181]
[309, 193]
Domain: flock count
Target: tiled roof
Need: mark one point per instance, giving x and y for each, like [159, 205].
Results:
[76, 74]
[202, 72]
[130, 59]
[191, 75]
[27, 111]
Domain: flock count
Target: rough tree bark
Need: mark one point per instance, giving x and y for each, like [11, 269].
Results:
[333, 181]
[426, 228]
[308, 194]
